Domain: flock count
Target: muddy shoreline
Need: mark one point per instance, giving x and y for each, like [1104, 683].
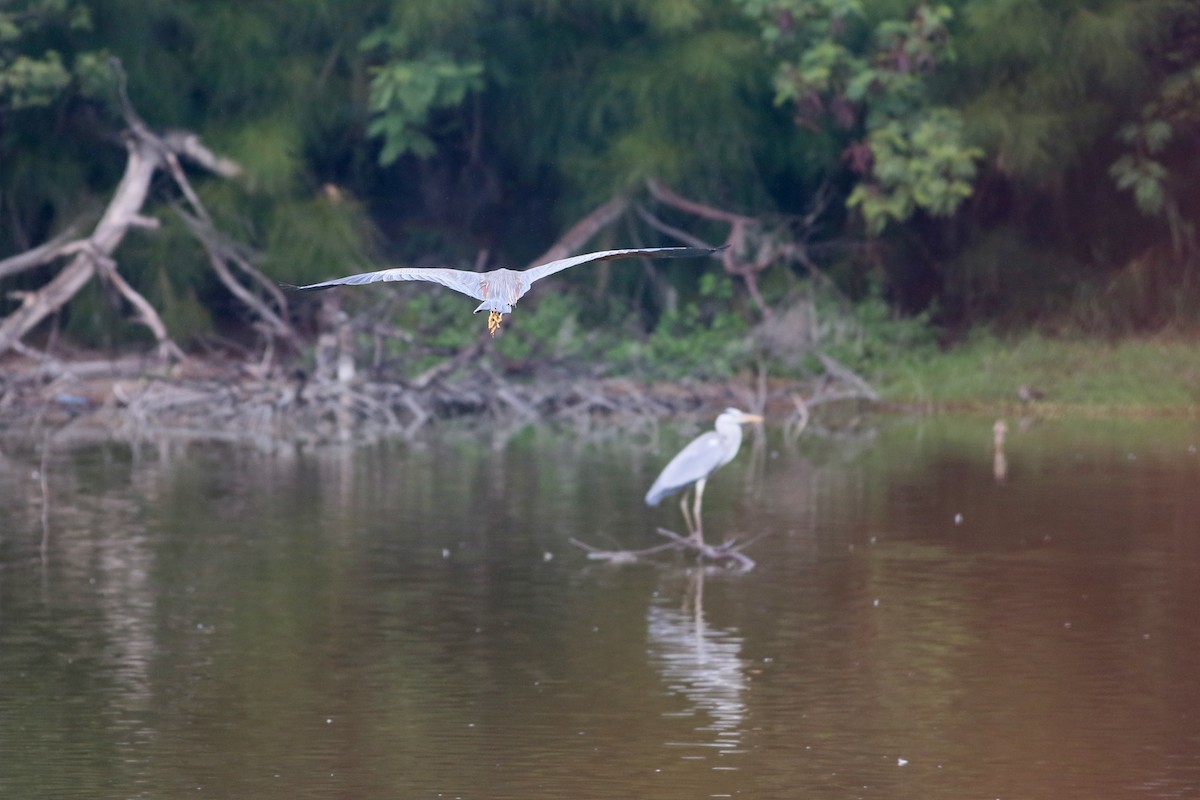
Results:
[133, 398]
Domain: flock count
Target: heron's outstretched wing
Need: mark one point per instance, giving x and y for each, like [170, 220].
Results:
[456, 279]
[699, 459]
[542, 270]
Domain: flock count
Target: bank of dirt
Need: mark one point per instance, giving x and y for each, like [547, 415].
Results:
[213, 398]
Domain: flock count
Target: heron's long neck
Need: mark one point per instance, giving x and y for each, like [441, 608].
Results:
[731, 432]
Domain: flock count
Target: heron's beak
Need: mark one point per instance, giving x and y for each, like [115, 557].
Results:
[748, 418]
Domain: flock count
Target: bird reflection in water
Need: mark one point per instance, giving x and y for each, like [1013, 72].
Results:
[704, 666]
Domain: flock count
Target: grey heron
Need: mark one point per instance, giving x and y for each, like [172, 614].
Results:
[500, 289]
[703, 456]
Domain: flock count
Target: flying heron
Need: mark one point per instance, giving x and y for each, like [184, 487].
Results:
[500, 289]
[703, 456]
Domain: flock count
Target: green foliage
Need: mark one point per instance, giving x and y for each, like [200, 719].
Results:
[39, 76]
[1045, 80]
[1145, 177]
[551, 330]
[594, 97]
[310, 239]
[1169, 117]
[841, 68]
[415, 73]
[1160, 373]
[437, 319]
[686, 344]
[26, 82]
[181, 309]
[919, 165]
[499, 123]
[703, 339]
[871, 338]
[405, 92]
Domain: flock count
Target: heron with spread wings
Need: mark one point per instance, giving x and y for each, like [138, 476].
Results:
[500, 289]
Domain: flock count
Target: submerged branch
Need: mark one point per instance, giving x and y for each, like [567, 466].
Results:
[726, 553]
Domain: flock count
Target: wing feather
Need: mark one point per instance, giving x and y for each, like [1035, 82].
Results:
[537, 273]
[459, 280]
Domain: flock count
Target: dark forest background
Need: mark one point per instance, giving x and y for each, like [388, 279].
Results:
[1014, 163]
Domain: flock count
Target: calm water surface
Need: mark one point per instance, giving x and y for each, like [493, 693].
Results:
[411, 621]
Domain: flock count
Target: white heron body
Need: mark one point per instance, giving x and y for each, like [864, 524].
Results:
[703, 456]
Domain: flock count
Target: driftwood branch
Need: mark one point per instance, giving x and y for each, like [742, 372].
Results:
[93, 255]
[843, 373]
[220, 254]
[61, 245]
[127, 201]
[728, 553]
[168, 350]
[188, 145]
[574, 239]
[733, 259]
[623, 556]
[453, 363]
[670, 230]
[670, 197]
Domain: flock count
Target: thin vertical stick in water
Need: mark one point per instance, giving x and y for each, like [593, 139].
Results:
[45, 497]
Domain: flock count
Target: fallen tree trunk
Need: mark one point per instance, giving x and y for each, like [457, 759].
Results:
[92, 256]
[122, 210]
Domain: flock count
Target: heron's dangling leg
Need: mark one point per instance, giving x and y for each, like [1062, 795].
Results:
[494, 320]
[698, 533]
[687, 518]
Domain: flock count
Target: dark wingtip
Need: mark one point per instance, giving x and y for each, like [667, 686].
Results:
[716, 250]
[311, 288]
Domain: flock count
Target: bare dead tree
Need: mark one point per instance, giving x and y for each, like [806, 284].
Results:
[578, 235]
[735, 258]
[754, 247]
[148, 153]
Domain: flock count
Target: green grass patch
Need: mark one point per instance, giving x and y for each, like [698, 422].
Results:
[1158, 374]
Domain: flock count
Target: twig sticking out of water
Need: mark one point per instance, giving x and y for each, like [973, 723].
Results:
[45, 484]
[727, 553]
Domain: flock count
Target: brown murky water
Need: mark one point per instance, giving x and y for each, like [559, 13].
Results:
[410, 621]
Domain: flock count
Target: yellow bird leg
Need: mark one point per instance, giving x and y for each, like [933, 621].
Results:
[494, 320]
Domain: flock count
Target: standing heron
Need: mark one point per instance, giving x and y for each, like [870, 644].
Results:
[707, 453]
[500, 289]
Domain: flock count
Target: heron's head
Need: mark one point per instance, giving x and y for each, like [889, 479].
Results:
[737, 417]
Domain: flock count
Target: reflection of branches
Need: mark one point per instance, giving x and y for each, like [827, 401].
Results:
[796, 422]
[758, 461]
